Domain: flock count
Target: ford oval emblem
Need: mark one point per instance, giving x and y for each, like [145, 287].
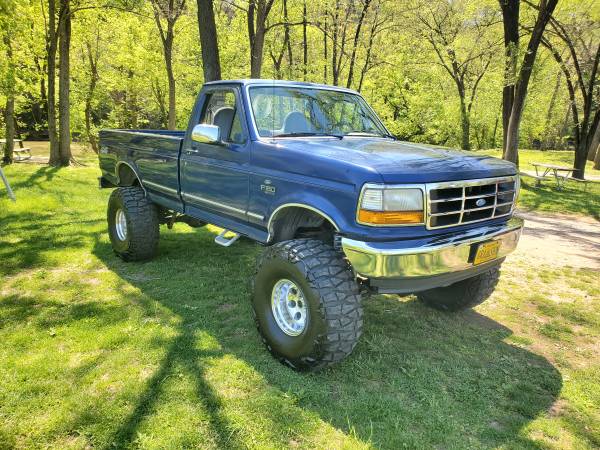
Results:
[480, 202]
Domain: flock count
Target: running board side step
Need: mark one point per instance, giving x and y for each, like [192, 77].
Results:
[226, 242]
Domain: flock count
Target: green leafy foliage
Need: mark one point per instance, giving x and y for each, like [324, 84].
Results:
[396, 67]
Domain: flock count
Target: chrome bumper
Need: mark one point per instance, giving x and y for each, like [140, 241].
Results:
[428, 257]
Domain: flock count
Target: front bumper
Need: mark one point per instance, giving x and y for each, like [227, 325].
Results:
[419, 264]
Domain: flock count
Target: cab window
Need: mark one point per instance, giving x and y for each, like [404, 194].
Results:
[221, 109]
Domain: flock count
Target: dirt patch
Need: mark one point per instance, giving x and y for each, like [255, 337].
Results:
[559, 240]
[557, 408]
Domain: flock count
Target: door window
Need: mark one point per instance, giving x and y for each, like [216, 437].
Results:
[221, 109]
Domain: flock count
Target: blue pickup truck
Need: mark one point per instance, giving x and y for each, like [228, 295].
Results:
[342, 207]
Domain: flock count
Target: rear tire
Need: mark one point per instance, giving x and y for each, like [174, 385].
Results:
[324, 322]
[464, 294]
[133, 224]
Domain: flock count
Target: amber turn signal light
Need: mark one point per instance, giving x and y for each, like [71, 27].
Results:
[390, 217]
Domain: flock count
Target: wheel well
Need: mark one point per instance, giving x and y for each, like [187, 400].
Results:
[296, 222]
[127, 176]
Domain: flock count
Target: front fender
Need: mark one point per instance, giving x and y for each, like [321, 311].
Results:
[335, 213]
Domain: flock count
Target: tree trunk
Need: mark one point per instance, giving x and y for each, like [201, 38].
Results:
[591, 156]
[287, 40]
[258, 11]
[365, 68]
[591, 121]
[355, 43]
[90, 97]
[325, 50]
[172, 122]
[493, 142]
[160, 100]
[510, 15]
[334, 43]
[9, 120]
[597, 159]
[520, 92]
[305, 42]
[257, 52]
[9, 111]
[64, 87]
[546, 144]
[170, 11]
[51, 46]
[580, 160]
[342, 43]
[211, 64]
[465, 125]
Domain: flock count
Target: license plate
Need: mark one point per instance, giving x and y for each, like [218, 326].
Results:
[486, 252]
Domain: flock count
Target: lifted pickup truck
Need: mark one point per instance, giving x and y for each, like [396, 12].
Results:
[342, 207]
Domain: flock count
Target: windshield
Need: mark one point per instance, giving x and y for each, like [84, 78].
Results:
[297, 111]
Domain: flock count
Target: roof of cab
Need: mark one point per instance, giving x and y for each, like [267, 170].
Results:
[263, 82]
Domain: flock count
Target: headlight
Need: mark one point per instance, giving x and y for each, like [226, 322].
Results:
[391, 206]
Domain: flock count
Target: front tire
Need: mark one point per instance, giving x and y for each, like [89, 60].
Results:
[133, 224]
[306, 304]
[464, 294]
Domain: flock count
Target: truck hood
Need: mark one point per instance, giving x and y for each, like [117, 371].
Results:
[403, 162]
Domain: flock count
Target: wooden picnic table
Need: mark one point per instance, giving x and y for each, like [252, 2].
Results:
[21, 153]
[560, 173]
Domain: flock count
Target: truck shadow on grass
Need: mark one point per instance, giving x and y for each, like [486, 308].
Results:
[418, 378]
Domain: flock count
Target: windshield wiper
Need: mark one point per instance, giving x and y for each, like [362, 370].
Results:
[367, 133]
[308, 133]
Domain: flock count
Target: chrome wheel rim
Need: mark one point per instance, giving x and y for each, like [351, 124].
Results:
[121, 225]
[289, 307]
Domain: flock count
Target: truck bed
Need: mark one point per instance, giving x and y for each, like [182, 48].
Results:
[153, 154]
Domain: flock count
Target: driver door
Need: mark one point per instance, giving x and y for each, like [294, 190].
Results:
[214, 176]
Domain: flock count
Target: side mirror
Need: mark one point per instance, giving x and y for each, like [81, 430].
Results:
[206, 134]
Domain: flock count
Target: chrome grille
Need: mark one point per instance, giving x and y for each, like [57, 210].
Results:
[462, 202]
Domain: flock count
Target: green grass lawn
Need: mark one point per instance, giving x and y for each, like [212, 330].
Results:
[101, 353]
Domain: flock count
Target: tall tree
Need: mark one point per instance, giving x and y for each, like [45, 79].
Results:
[286, 46]
[51, 50]
[64, 86]
[304, 41]
[211, 64]
[9, 89]
[169, 11]
[585, 114]
[442, 25]
[340, 19]
[8, 76]
[91, 56]
[510, 14]
[511, 132]
[325, 28]
[257, 14]
[359, 25]
[377, 26]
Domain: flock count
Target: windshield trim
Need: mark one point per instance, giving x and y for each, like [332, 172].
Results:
[248, 86]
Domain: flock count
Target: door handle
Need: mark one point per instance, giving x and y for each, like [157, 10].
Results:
[191, 150]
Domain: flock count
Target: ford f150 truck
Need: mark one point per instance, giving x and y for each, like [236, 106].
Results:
[341, 206]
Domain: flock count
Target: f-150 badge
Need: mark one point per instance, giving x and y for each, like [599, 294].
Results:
[267, 188]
